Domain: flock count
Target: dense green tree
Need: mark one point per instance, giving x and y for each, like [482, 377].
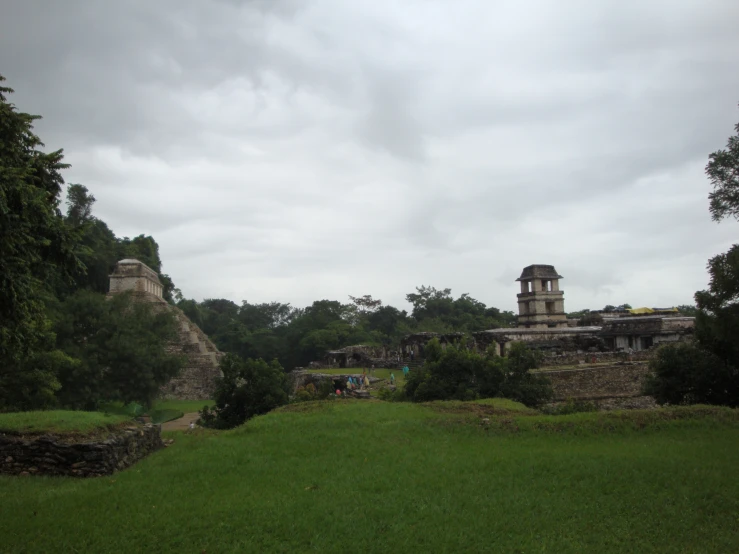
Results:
[456, 372]
[437, 311]
[691, 374]
[366, 304]
[145, 249]
[97, 246]
[717, 322]
[79, 205]
[36, 245]
[688, 310]
[121, 347]
[269, 315]
[520, 383]
[390, 323]
[708, 371]
[247, 388]
[723, 172]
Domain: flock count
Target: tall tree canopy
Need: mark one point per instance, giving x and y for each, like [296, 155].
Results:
[723, 172]
[36, 245]
[708, 372]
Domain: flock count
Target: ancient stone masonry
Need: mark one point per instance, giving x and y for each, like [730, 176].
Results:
[357, 355]
[542, 323]
[625, 380]
[643, 332]
[52, 455]
[584, 357]
[551, 341]
[540, 302]
[197, 378]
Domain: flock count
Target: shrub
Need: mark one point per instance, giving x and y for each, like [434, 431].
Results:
[388, 395]
[325, 389]
[689, 374]
[457, 373]
[302, 395]
[247, 388]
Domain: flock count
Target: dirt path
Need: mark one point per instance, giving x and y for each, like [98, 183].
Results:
[181, 424]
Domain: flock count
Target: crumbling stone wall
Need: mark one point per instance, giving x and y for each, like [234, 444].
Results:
[52, 455]
[197, 379]
[599, 382]
[357, 355]
[577, 358]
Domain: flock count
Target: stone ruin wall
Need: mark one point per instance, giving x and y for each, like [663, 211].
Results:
[52, 455]
[583, 358]
[197, 379]
[599, 383]
[357, 356]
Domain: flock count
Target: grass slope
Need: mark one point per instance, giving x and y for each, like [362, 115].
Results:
[365, 476]
[58, 422]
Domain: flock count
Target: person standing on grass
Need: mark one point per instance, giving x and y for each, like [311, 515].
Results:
[405, 371]
[392, 378]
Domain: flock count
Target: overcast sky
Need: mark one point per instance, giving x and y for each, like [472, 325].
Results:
[299, 150]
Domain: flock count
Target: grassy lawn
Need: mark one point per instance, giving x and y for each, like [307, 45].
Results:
[368, 476]
[59, 422]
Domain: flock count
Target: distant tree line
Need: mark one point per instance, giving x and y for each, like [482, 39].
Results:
[297, 336]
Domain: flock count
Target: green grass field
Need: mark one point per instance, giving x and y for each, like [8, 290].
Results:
[59, 422]
[368, 476]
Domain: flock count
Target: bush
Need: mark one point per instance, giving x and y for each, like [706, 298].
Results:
[324, 390]
[302, 395]
[689, 374]
[247, 388]
[457, 373]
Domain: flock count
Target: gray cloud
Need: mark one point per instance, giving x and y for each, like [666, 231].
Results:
[285, 150]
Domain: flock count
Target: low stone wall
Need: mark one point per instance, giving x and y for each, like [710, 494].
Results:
[599, 382]
[575, 358]
[52, 455]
